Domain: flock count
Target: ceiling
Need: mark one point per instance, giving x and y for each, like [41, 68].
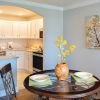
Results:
[16, 11]
[65, 4]
[59, 3]
[24, 13]
[55, 4]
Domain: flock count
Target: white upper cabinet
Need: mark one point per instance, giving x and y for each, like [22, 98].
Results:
[20, 29]
[36, 25]
[28, 29]
[32, 29]
[5, 29]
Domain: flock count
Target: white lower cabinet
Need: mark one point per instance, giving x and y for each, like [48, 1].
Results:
[20, 60]
[10, 53]
[24, 61]
[30, 61]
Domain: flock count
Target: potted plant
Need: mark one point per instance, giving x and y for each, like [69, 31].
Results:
[65, 49]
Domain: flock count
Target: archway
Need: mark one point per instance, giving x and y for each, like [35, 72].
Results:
[19, 27]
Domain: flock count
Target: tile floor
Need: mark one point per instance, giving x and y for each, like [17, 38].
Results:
[21, 75]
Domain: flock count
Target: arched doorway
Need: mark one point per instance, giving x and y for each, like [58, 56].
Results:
[19, 36]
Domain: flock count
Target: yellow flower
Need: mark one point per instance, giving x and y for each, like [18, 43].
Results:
[72, 47]
[64, 42]
[66, 52]
[64, 48]
[60, 38]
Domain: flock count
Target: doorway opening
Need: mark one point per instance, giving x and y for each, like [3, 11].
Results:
[20, 36]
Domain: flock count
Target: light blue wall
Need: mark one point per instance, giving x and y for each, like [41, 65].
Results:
[53, 26]
[74, 31]
[13, 62]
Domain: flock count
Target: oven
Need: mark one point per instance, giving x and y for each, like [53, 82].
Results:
[37, 61]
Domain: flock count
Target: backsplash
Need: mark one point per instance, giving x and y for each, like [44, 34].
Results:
[21, 43]
[35, 43]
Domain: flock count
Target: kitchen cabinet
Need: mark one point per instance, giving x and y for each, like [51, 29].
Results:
[26, 64]
[24, 61]
[5, 29]
[14, 29]
[20, 55]
[20, 29]
[20, 62]
[36, 25]
[10, 53]
[30, 61]
[32, 28]
[28, 29]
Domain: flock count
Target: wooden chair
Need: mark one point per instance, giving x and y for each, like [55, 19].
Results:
[8, 82]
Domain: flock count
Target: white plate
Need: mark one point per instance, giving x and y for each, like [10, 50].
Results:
[83, 75]
[39, 77]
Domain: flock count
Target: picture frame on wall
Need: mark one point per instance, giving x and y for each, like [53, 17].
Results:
[93, 31]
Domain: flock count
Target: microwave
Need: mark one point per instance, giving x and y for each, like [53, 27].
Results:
[41, 33]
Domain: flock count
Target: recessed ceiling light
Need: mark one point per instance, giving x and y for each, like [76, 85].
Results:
[20, 14]
[1, 11]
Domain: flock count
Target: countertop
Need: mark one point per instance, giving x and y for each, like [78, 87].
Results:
[20, 49]
[8, 57]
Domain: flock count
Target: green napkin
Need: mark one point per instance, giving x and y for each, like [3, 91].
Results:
[86, 81]
[44, 83]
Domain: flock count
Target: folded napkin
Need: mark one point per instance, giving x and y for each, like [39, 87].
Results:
[42, 83]
[82, 80]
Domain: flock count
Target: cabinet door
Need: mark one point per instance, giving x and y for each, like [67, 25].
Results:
[20, 29]
[38, 26]
[5, 29]
[30, 62]
[10, 53]
[33, 28]
[29, 29]
[26, 58]
[20, 60]
[1, 32]
[23, 29]
[16, 33]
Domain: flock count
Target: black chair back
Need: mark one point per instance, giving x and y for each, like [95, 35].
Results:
[8, 81]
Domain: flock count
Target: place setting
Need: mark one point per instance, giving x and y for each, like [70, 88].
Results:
[84, 78]
[40, 80]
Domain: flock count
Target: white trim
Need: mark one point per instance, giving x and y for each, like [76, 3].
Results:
[85, 3]
[34, 4]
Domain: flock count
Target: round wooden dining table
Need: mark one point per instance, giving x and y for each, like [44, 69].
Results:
[68, 89]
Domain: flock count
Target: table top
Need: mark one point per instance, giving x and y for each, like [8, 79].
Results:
[63, 89]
